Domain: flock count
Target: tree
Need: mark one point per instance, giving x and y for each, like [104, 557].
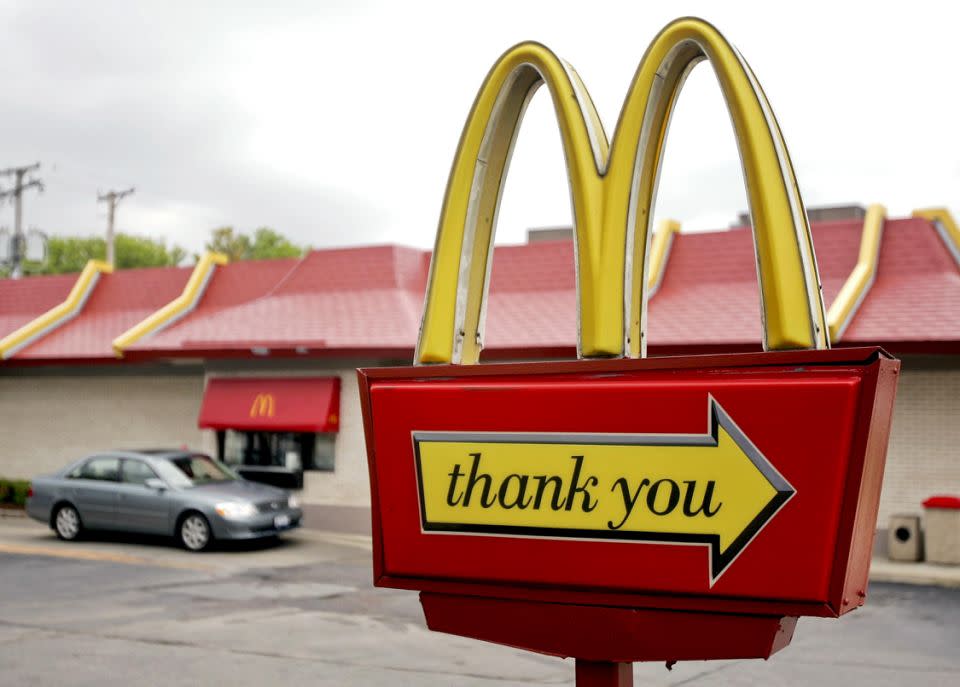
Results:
[235, 246]
[71, 253]
[266, 244]
[136, 251]
[177, 254]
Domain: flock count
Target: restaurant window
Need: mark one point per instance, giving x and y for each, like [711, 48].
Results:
[323, 452]
[293, 451]
[273, 429]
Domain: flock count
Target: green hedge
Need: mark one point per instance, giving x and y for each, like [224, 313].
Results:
[14, 491]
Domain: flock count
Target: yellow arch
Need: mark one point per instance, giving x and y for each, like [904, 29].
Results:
[660, 245]
[860, 279]
[452, 323]
[179, 306]
[792, 304]
[612, 191]
[945, 225]
[57, 315]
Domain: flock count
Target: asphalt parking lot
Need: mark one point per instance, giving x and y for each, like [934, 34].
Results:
[122, 611]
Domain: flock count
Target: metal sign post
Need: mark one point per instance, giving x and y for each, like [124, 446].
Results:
[618, 508]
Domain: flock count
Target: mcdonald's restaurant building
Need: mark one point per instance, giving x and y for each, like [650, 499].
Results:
[255, 362]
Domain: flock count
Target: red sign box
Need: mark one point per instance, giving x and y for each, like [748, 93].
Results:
[812, 424]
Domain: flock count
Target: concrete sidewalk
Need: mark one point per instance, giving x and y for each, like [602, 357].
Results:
[331, 518]
[884, 570]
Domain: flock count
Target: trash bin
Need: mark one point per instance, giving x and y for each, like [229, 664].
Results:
[942, 526]
[904, 542]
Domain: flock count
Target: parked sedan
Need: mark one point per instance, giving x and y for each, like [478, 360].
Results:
[186, 495]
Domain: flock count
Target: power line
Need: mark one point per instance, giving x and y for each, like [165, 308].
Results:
[18, 245]
[112, 198]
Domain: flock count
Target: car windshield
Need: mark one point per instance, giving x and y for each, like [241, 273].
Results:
[188, 471]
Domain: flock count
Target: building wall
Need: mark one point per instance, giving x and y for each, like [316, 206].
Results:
[924, 452]
[49, 419]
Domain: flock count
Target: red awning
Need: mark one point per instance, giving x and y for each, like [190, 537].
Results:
[286, 404]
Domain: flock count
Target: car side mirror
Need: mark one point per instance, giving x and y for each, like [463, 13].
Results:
[156, 484]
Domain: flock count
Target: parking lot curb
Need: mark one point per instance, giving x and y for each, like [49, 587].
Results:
[928, 574]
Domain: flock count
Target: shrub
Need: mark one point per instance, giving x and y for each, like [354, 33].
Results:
[20, 490]
[14, 491]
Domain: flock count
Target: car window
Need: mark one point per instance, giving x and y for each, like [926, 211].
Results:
[200, 469]
[171, 475]
[136, 472]
[102, 469]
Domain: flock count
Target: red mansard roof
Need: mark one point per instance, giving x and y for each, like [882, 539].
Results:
[709, 295]
[22, 300]
[368, 300]
[117, 302]
[916, 296]
[348, 298]
[232, 286]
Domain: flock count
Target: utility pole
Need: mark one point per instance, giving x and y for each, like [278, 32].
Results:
[19, 186]
[112, 198]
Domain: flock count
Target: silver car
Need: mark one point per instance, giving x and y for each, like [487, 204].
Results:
[177, 493]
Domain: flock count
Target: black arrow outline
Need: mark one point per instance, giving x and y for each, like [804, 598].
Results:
[717, 417]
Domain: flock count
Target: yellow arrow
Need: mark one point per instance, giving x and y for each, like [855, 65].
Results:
[715, 489]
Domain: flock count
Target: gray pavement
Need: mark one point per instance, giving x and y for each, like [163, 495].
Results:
[348, 519]
[122, 611]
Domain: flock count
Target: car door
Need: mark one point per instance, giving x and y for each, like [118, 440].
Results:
[94, 492]
[140, 508]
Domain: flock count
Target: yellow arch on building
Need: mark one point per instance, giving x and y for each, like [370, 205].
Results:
[946, 226]
[861, 278]
[57, 315]
[187, 300]
[660, 246]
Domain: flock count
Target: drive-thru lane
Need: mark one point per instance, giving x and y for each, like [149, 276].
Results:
[122, 611]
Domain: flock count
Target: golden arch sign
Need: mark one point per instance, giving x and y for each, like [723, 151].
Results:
[574, 507]
[264, 405]
[613, 188]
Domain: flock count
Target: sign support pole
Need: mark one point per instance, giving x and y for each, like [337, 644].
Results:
[604, 674]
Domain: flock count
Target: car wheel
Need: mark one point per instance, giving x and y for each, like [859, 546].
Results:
[66, 523]
[195, 532]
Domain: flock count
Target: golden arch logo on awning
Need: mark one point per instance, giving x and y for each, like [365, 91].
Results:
[263, 405]
[613, 188]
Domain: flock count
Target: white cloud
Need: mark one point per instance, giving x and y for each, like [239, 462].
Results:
[337, 123]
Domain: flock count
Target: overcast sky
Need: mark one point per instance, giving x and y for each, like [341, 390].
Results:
[335, 122]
